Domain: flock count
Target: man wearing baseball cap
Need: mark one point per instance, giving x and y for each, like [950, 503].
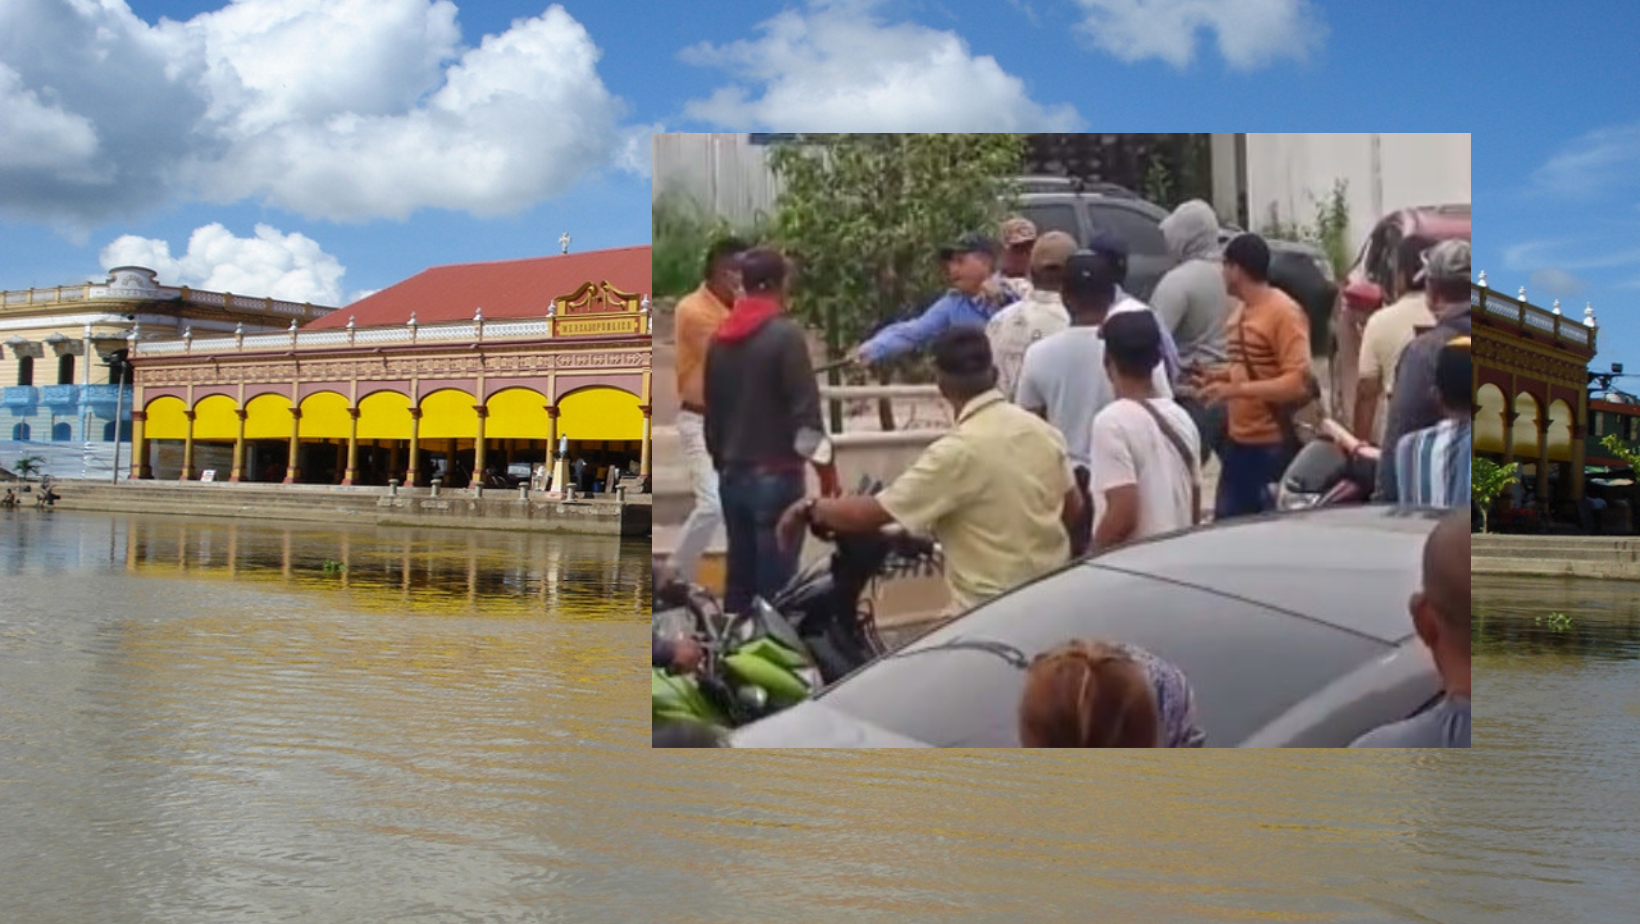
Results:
[1023, 323]
[977, 292]
[1018, 243]
[1415, 402]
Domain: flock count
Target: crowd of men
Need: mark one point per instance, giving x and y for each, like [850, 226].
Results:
[1083, 416]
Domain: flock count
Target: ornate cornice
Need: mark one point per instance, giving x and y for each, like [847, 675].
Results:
[1520, 360]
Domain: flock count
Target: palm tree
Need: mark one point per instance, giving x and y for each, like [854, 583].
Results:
[29, 466]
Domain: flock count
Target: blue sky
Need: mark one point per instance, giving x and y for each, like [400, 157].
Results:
[337, 146]
[1557, 168]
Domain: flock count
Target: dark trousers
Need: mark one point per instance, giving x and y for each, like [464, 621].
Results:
[1245, 478]
[753, 501]
[1210, 423]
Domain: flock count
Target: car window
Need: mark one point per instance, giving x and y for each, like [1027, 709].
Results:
[1248, 664]
[1056, 217]
[1141, 232]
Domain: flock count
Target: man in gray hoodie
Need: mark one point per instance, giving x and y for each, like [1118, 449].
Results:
[1192, 304]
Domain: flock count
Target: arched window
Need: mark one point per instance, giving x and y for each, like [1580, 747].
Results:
[25, 370]
[62, 432]
[125, 431]
[20, 432]
[65, 370]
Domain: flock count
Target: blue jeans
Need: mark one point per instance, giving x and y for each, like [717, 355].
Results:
[753, 501]
[1245, 479]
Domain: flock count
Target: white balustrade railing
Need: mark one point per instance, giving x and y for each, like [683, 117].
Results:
[500, 331]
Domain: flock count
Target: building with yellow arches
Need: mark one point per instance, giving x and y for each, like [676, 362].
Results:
[456, 371]
[1530, 387]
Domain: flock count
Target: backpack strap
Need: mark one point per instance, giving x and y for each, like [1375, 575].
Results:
[1184, 453]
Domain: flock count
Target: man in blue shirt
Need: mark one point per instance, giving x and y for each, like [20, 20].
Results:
[970, 267]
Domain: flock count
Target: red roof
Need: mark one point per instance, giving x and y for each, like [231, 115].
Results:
[504, 289]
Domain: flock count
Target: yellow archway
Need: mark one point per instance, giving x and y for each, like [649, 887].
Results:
[167, 419]
[1489, 420]
[216, 417]
[448, 414]
[325, 417]
[600, 414]
[1560, 432]
[384, 415]
[267, 417]
[517, 413]
[1524, 437]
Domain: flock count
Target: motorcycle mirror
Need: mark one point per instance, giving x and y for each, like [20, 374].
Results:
[754, 698]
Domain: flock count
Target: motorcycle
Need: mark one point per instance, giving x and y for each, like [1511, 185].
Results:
[753, 665]
[829, 605]
[1324, 475]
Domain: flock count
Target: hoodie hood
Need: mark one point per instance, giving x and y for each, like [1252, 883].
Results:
[1192, 231]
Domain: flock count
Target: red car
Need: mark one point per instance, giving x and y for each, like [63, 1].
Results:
[1373, 282]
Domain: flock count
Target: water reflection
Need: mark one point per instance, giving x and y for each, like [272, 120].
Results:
[397, 570]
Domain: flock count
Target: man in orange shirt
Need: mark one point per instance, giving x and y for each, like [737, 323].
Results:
[698, 315]
[1268, 336]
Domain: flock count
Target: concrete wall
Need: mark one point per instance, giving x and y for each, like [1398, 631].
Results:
[451, 510]
[724, 172]
[1292, 172]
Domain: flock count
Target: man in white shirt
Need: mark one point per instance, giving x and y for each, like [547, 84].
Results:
[1062, 379]
[1013, 329]
[1145, 446]
[1386, 335]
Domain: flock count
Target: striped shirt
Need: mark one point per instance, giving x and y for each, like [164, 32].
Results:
[1433, 466]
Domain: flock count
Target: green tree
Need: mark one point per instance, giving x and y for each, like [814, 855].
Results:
[1621, 450]
[863, 214]
[29, 466]
[683, 232]
[1488, 480]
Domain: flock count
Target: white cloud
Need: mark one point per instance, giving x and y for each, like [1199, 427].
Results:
[339, 109]
[1592, 165]
[838, 66]
[1566, 255]
[1250, 33]
[1557, 283]
[292, 267]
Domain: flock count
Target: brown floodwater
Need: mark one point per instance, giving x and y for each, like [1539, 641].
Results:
[223, 722]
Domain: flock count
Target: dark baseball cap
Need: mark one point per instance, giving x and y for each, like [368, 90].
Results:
[1090, 273]
[969, 243]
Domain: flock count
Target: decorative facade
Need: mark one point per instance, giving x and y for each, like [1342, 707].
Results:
[1530, 388]
[458, 371]
[63, 356]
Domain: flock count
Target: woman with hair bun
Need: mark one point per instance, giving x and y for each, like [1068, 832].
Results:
[1086, 694]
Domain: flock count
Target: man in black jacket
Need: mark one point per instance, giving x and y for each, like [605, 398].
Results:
[762, 425]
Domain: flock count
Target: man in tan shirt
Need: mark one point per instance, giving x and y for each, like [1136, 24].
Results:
[698, 316]
[996, 491]
[1387, 334]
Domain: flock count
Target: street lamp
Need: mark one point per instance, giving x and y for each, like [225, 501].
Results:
[119, 400]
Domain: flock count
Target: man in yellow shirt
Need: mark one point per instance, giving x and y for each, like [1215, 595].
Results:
[698, 316]
[996, 491]
[1387, 334]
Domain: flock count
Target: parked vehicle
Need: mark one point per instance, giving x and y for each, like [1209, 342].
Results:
[1299, 269]
[1373, 282]
[1293, 630]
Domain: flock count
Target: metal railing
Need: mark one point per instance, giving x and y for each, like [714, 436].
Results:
[1524, 316]
[38, 298]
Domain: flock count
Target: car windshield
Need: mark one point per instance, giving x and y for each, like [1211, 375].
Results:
[959, 686]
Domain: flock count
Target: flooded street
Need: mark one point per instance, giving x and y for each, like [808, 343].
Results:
[220, 722]
[214, 722]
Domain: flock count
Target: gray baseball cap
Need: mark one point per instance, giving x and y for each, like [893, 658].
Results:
[1448, 260]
